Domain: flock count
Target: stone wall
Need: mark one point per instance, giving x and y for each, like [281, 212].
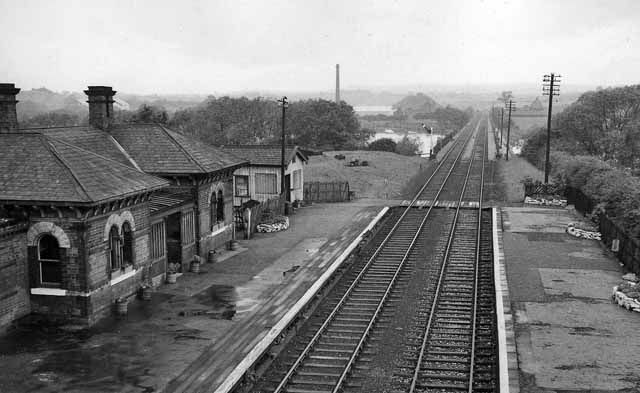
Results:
[14, 290]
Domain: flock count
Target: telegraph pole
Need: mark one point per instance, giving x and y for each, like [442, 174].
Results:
[284, 104]
[511, 106]
[549, 87]
[501, 124]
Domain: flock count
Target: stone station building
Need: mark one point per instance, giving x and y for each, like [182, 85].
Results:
[89, 214]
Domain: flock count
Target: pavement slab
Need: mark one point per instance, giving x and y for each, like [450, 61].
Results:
[570, 337]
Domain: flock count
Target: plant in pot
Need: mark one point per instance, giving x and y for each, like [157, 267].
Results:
[195, 264]
[172, 273]
[122, 305]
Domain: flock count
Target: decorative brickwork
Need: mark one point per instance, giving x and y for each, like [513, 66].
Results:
[46, 227]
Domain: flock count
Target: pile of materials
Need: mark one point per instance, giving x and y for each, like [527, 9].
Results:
[545, 200]
[583, 232]
[627, 294]
[275, 224]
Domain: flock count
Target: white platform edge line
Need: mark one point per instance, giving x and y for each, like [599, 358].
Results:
[503, 363]
[275, 331]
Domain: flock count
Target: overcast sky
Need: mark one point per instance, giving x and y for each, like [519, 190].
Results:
[217, 46]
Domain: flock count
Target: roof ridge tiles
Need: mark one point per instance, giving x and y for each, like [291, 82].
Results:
[99, 155]
[181, 147]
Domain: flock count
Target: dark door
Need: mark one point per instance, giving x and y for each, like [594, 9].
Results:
[174, 239]
[287, 187]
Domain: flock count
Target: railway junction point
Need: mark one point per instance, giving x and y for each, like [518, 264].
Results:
[199, 336]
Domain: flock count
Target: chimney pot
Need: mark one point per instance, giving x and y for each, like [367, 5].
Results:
[8, 113]
[100, 106]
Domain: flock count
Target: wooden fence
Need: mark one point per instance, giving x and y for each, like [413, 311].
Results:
[628, 248]
[326, 191]
[273, 206]
[538, 188]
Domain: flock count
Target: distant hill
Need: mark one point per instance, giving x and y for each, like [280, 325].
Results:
[42, 100]
[418, 103]
[37, 101]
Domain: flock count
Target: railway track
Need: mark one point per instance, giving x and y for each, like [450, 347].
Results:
[456, 352]
[339, 344]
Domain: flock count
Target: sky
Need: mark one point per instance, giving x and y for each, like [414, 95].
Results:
[202, 47]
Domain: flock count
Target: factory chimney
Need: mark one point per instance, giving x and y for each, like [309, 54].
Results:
[338, 84]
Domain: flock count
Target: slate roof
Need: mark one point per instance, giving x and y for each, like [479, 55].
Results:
[88, 138]
[267, 155]
[38, 168]
[159, 150]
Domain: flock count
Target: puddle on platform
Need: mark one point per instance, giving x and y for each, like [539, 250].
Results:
[220, 300]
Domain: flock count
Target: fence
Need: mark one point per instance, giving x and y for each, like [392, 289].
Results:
[275, 206]
[539, 188]
[326, 191]
[628, 249]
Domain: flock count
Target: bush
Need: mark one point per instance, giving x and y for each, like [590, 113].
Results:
[614, 191]
[384, 144]
[408, 147]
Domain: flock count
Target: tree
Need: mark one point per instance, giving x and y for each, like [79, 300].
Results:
[383, 144]
[604, 123]
[227, 120]
[408, 146]
[322, 123]
[52, 119]
[144, 114]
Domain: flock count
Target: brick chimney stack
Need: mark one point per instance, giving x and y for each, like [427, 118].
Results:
[8, 113]
[100, 106]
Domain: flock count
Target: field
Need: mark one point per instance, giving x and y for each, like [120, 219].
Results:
[384, 178]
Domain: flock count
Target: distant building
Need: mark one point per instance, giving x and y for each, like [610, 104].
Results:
[260, 180]
[536, 105]
[89, 213]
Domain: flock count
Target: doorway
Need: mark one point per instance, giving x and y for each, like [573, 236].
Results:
[287, 187]
[174, 239]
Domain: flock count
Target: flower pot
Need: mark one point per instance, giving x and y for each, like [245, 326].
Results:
[146, 293]
[233, 245]
[195, 267]
[122, 306]
[172, 278]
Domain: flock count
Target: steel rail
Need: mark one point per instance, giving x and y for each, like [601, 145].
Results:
[477, 267]
[442, 270]
[361, 342]
[338, 306]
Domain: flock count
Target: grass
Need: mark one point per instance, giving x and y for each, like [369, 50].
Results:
[512, 172]
[384, 178]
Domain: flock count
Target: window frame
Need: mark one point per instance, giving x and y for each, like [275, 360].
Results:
[245, 178]
[49, 261]
[115, 249]
[216, 209]
[275, 183]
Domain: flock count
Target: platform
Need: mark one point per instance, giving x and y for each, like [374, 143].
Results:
[192, 335]
[569, 335]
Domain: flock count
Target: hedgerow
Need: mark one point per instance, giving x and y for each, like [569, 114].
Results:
[614, 191]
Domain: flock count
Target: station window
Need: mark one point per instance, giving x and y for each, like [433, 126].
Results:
[49, 260]
[242, 186]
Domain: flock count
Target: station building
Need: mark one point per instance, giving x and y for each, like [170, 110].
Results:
[88, 214]
[260, 180]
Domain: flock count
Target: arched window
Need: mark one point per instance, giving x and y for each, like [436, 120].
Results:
[127, 244]
[49, 260]
[115, 248]
[217, 208]
[213, 211]
[220, 206]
